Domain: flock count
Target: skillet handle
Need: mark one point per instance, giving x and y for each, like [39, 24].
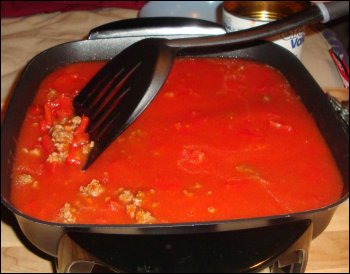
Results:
[156, 27]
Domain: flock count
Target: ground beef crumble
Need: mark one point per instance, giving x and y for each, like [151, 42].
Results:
[24, 179]
[67, 214]
[133, 204]
[93, 189]
[62, 136]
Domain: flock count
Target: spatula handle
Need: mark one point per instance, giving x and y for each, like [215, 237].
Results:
[322, 12]
[333, 10]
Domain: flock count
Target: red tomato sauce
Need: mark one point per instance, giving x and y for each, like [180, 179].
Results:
[223, 139]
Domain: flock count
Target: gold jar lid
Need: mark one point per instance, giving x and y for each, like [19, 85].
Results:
[264, 10]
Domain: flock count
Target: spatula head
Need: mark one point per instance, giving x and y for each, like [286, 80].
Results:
[122, 90]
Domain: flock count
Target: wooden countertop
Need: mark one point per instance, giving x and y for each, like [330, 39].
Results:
[328, 253]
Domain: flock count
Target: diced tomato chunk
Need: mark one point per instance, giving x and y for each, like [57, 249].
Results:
[47, 144]
[83, 125]
[49, 113]
[80, 139]
[75, 156]
[64, 107]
